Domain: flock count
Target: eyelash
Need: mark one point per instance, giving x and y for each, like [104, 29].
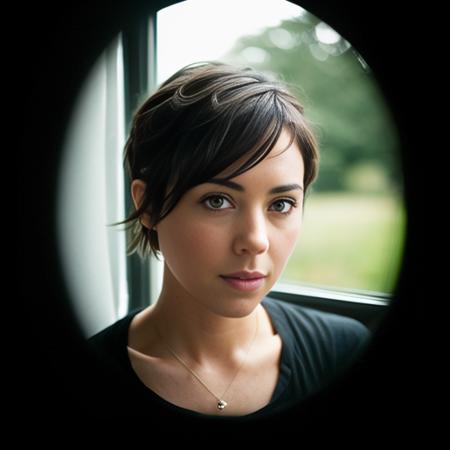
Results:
[291, 201]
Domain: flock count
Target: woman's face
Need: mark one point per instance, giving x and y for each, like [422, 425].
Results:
[217, 230]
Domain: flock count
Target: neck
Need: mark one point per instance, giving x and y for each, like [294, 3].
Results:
[197, 331]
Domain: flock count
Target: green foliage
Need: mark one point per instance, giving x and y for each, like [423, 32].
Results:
[349, 241]
[354, 221]
[341, 100]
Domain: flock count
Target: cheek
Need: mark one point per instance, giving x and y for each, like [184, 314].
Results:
[291, 239]
[195, 244]
[284, 242]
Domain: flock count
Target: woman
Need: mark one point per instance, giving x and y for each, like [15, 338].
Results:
[220, 160]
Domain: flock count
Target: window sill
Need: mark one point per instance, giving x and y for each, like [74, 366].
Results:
[366, 306]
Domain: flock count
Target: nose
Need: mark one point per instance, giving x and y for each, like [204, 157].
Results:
[251, 235]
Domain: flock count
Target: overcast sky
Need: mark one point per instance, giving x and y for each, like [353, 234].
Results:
[197, 30]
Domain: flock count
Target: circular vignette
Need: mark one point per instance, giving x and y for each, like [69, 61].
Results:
[72, 45]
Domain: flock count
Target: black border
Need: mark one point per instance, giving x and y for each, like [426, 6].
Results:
[53, 47]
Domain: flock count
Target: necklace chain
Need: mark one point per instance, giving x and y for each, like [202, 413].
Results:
[221, 403]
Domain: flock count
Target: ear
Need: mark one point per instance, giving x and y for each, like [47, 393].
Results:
[137, 193]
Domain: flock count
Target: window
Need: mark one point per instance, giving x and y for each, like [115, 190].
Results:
[354, 221]
[349, 252]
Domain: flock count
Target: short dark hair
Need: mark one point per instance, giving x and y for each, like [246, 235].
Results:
[198, 123]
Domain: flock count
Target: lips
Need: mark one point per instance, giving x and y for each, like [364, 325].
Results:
[245, 275]
[245, 281]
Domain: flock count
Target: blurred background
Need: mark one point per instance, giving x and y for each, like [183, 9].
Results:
[354, 223]
[353, 228]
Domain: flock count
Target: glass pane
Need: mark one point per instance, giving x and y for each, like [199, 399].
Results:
[354, 220]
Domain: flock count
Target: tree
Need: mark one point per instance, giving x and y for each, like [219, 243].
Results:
[340, 94]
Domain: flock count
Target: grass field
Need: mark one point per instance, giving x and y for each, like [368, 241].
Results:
[349, 241]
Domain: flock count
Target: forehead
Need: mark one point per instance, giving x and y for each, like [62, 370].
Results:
[283, 162]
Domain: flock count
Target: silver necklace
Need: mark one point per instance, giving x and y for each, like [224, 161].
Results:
[221, 403]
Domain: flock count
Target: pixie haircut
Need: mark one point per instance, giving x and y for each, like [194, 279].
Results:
[201, 121]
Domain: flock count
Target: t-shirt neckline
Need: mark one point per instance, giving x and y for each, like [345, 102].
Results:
[283, 376]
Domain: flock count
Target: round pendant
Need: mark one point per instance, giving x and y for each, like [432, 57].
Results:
[221, 404]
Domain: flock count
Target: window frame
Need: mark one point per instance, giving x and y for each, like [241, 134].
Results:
[139, 63]
[365, 306]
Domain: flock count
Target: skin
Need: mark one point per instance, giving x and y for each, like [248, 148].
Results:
[208, 323]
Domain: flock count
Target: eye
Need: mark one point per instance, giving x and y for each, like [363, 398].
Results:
[284, 206]
[216, 202]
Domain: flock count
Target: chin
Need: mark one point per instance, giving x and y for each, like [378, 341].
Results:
[238, 307]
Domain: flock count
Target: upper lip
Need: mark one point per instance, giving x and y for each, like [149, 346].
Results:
[245, 275]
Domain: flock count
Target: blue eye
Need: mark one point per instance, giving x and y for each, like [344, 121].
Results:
[216, 202]
[284, 206]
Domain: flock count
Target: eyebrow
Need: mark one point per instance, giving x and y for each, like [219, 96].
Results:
[240, 188]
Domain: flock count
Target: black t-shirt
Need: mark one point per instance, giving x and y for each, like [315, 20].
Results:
[316, 347]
